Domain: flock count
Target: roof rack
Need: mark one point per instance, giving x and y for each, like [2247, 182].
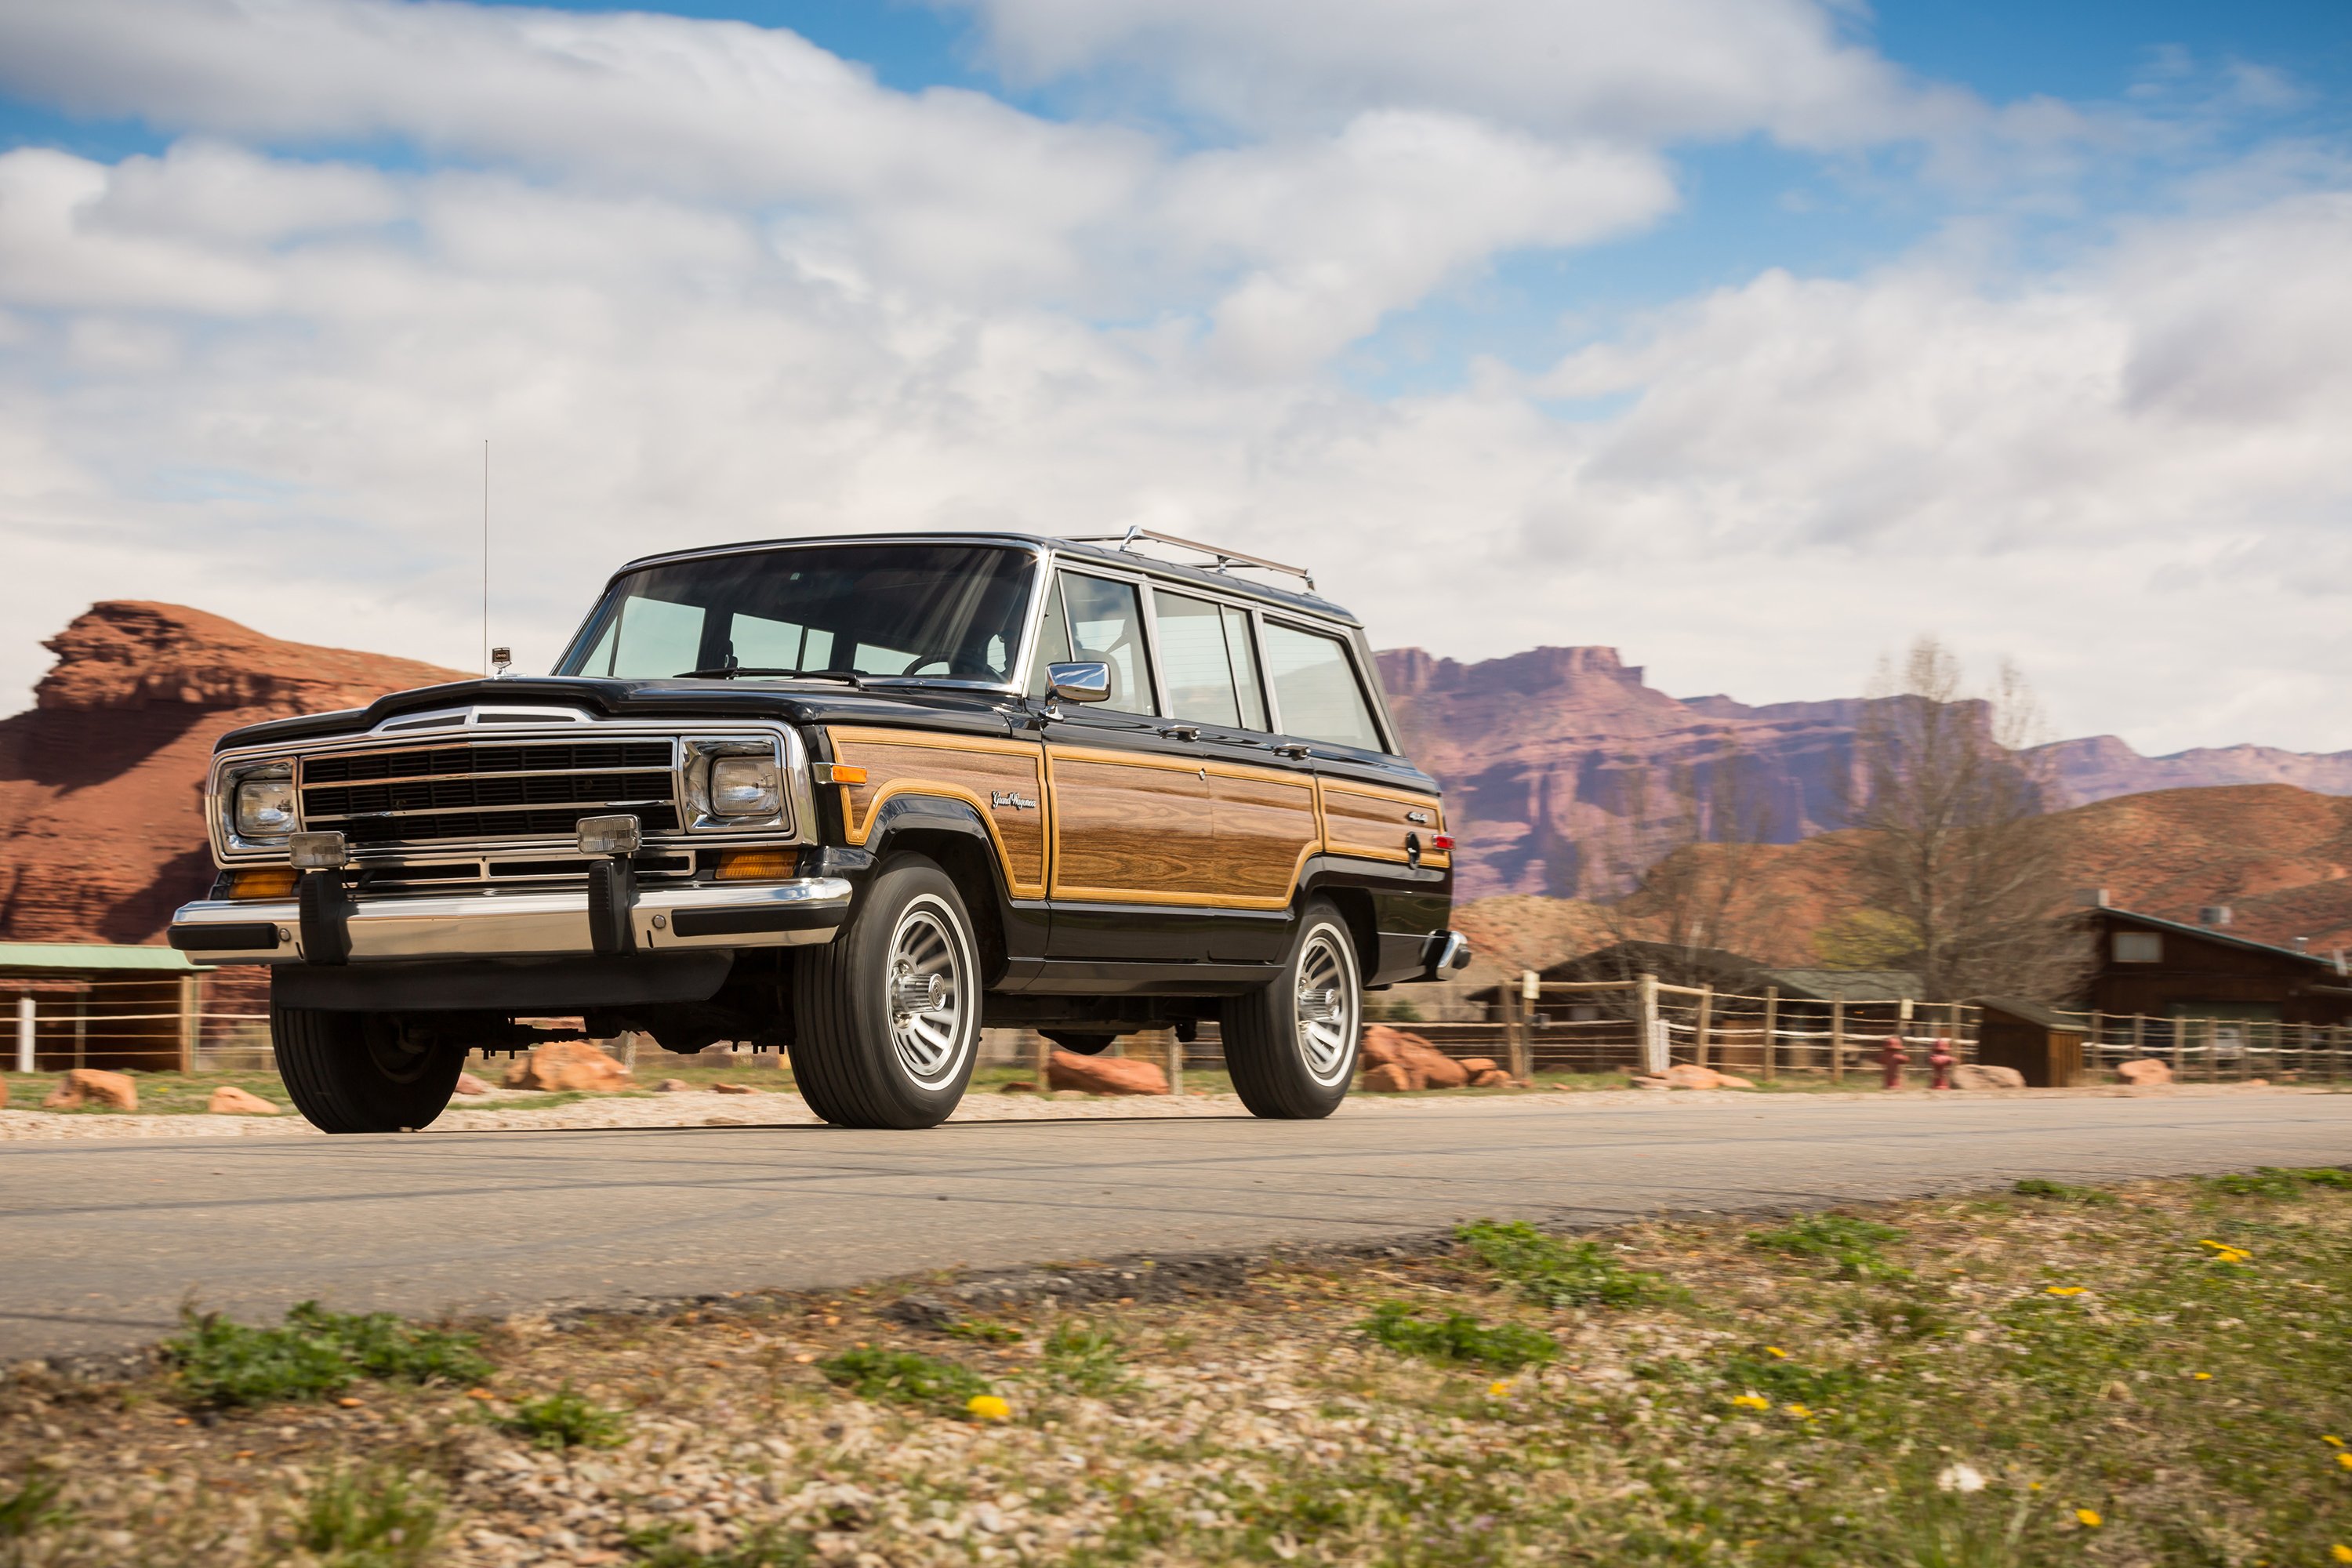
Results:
[1225, 559]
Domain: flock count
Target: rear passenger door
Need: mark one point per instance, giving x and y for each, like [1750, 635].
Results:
[1376, 807]
[1261, 803]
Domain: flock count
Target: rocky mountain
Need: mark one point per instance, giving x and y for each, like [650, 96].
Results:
[1560, 764]
[102, 826]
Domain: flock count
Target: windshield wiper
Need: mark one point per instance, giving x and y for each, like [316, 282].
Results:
[729, 672]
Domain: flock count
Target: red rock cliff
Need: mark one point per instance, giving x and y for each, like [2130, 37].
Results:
[102, 826]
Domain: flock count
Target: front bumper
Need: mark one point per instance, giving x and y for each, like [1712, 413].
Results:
[501, 924]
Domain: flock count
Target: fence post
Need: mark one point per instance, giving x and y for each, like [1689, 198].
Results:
[2179, 1048]
[1837, 1037]
[1175, 1062]
[1699, 1041]
[1655, 1059]
[1523, 1038]
[189, 1023]
[1041, 1054]
[2140, 1036]
[24, 1018]
[1772, 1023]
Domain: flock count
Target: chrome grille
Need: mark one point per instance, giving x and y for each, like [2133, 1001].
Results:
[433, 795]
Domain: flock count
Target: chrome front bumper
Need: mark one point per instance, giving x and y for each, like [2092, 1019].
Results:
[500, 924]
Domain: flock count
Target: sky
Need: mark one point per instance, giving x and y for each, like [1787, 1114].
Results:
[1754, 337]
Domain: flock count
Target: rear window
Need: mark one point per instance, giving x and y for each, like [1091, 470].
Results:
[1316, 687]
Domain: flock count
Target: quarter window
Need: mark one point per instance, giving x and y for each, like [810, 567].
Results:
[1106, 622]
[1315, 684]
[1206, 659]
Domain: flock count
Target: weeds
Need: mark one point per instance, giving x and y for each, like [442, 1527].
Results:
[1550, 1272]
[1081, 1359]
[1457, 1337]
[2277, 1181]
[905, 1377]
[31, 1507]
[2060, 1191]
[1847, 1240]
[315, 1354]
[565, 1419]
[985, 1331]
[766, 1547]
[378, 1518]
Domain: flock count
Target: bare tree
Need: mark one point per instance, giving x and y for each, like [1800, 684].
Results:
[1690, 842]
[1956, 842]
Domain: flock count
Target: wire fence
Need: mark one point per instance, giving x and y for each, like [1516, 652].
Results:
[220, 1021]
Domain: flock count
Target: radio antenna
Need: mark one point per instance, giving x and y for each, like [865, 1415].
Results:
[486, 556]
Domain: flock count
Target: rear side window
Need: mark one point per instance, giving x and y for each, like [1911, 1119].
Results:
[1316, 687]
[1206, 660]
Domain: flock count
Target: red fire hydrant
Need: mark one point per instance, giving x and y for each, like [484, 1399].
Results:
[1892, 1059]
[1941, 1057]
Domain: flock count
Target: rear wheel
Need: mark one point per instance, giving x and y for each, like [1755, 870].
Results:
[361, 1072]
[886, 1015]
[1291, 1047]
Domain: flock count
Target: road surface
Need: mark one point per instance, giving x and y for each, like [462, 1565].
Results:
[102, 1240]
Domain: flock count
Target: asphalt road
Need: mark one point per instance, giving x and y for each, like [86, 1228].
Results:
[100, 1241]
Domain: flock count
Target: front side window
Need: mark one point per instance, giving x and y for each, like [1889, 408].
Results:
[1207, 661]
[1315, 686]
[1106, 627]
[945, 612]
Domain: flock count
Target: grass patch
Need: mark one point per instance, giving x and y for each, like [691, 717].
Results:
[1551, 1272]
[2060, 1191]
[565, 1419]
[1082, 1359]
[1458, 1337]
[313, 1354]
[378, 1517]
[2279, 1181]
[31, 1507]
[1848, 1241]
[906, 1377]
[985, 1331]
[765, 1547]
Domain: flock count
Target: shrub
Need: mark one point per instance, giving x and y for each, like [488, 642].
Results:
[315, 1354]
[367, 1518]
[1457, 1337]
[1850, 1242]
[905, 1377]
[1551, 1272]
[566, 1420]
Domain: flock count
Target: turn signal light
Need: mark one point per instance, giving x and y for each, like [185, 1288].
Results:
[839, 773]
[754, 865]
[1440, 841]
[265, 882]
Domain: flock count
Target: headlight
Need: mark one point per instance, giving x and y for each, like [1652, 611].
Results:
[263, 805]
[746, 787]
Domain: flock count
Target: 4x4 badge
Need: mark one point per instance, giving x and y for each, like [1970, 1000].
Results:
[1007, 797]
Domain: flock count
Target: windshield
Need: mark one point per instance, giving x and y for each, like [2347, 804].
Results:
[949, 612]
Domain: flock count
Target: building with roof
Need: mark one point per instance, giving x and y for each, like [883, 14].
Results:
[1725, 971]
[99, 1005]
[2150, 967]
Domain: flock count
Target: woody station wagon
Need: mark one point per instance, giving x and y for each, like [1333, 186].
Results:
[853, 798]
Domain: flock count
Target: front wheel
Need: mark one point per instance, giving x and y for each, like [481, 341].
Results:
[1291, 1047]
[886, 1015]
[362, 1072]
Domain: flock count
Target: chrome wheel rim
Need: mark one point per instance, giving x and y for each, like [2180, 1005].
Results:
[1326, 1006]
[929, 994]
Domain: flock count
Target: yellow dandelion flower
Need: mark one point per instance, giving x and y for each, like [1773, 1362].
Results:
[2341, 1553]
[1499, 1390]
[2066, 1290]
[989, 1407]
[1751, 1402]
[2088, 1518]
[1776, 1352]
[2202, 1376]
[2345, 1461]
[2331, 1439]
[1801, 1414]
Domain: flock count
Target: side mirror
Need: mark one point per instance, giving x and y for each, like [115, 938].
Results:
[1085, 682]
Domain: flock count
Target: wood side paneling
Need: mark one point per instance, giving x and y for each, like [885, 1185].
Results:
[1131, 830]
[1266, 829]
[974, 770]
[1373, 823]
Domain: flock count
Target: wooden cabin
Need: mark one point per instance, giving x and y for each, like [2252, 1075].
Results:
[99, 1005]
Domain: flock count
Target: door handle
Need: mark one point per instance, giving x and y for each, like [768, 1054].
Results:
[1181, 731]
[1297, 754]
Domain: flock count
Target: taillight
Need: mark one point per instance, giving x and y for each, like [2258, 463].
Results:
[1440, 841]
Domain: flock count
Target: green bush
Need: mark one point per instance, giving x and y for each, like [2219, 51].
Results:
[1550, 1272]
[315, 1354]
[905, 1377]
[1457, 1337]
[1847, 1240]
[566, 1420]
[376, 1518]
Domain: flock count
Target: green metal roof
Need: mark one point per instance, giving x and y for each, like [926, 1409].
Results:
[84, 955]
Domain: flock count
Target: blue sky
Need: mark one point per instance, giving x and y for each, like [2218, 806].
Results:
[1752, 336]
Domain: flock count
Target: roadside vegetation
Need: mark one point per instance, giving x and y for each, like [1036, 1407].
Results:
[2058, 1374]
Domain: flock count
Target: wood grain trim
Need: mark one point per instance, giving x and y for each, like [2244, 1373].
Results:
[1208, 769]
[965, 768]
[1369, 822]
